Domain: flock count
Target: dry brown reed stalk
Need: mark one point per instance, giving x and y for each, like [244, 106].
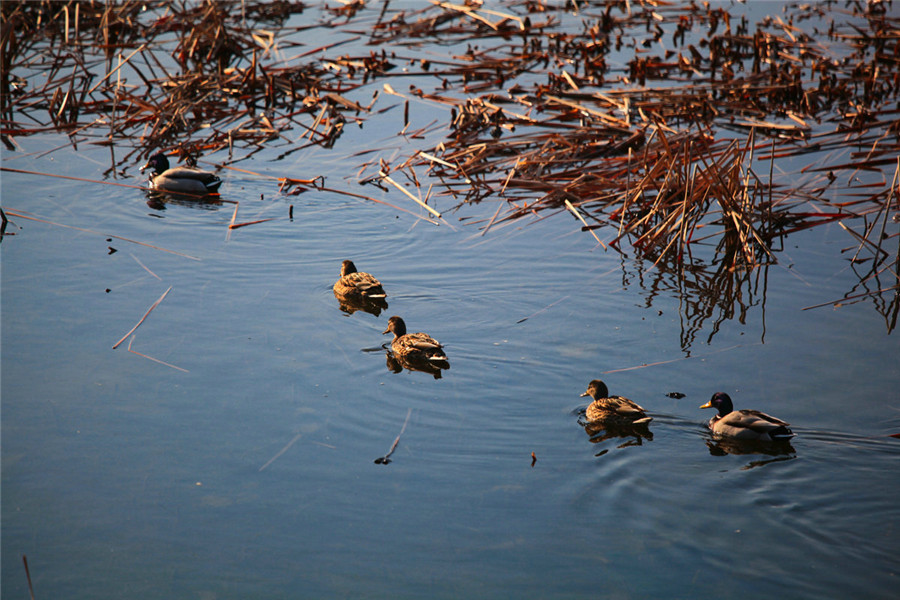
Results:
[662, 149]
[156, 360]
[22, 215]
[146, 314]
[28, 576]
[383, 460]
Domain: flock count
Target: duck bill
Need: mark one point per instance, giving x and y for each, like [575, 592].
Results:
[145, 167]
[707, 405]
[584, 394]
[388, 330]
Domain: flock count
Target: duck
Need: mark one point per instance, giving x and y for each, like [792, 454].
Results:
[415, 347]
[614, 409]
[749, 425]
[356, 285]
[185, 180]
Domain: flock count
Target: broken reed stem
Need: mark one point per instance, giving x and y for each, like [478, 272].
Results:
[24, 172]
[238, 225]
[138, 261]
[376, 200]
[156, 360]
[28, 576]
[491, 222]
[386, 458]
[580, 218]
[282, 451]
[387, 178]
[231, 223]
[117, 237]
[155, 304]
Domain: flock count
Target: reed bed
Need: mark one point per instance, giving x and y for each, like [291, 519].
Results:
[667, 128]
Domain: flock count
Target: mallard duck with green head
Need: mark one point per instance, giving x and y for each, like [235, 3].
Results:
[749, 425]
[415, 347]
[616, 409]
[183, 180]
[356, 285]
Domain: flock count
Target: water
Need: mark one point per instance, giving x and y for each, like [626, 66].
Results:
[249, 470]
[253, 473]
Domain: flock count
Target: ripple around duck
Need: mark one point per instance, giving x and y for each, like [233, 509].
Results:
[793, 509]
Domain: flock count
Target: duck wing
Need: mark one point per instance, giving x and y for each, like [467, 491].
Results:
[422, 342]
[616, 406]
[363, 283]
[419, 346]
[187, 174]
[752, 424]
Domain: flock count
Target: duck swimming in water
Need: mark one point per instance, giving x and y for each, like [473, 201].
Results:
[614, 409]
[185, 180]
[745, 424]
[356, 285]
[415, 346]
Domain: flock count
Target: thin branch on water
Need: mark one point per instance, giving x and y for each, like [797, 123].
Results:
[146, 314]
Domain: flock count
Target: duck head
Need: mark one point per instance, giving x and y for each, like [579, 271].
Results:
[721, 402]
[347, 267]
[158, 163]
[395, 326]
[596, 389]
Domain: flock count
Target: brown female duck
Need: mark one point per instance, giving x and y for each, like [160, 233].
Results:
[612, 408]
[354, 285]
[415, 346]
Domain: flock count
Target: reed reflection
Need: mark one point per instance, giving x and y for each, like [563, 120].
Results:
[709, 294]
[879, 282]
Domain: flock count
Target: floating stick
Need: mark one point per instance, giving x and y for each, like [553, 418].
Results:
[282, 451]
[138, 261]
[387, 178]
[118, 237]
[580, 218]
[155, 304]
[162, 362]
[28, 576]
[385, 459]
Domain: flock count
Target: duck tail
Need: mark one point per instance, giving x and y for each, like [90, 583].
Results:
[781, 433]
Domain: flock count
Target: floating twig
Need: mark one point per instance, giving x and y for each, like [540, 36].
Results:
[118, 237]
[149, 310]
[28, 576]
[162, 362]
[282, 451]
[386, 458]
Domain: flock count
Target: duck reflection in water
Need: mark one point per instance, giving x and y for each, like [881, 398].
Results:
[356, 290]
[779, 451]
[608, 417]
[396, 365]
[159, 200]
